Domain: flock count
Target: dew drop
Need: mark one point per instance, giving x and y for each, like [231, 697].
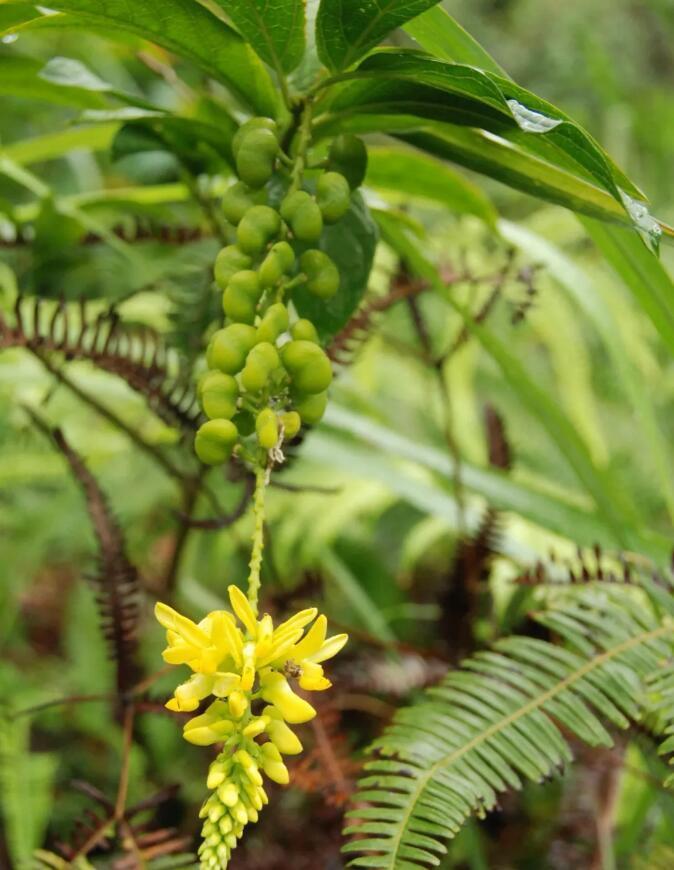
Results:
[643, 220]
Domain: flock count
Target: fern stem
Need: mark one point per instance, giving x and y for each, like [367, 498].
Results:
[258, 537]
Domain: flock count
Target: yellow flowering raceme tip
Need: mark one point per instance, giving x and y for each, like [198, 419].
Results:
[246, 666]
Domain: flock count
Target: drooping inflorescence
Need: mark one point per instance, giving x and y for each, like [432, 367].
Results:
[246, 667]
[267, 372]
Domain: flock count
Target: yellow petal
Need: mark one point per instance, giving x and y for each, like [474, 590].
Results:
[195, 689]
[178, 655]
[241, 606]
[238, 704]
[248, 672]
[256, 726]
[275, 690]
[186, 707]
[330, 648]
[224, 683]
[299, 620]
[313, 641]
[181, 625]
[283, 738]
[228, 794]
[314, 684]
[280, 649]
[226, 637]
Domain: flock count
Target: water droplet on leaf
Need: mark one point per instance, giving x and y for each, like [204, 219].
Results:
[531, 121]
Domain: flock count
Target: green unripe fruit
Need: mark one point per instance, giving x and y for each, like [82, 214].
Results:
[255, 157]
[229, 347]
[348, 156]
[311, 408]
[292, 423]
[218, 393]
[215, 441]
[237, 200]
[266, 426]
[274, 322]
[333, 196]
[229, 261]
[256, 229]
[260, 363]
[304, 330]
[244, 422]
[322, 274]
[300, 210]
[278, 262]
[308, 366]
[241, 296]
[252, 124]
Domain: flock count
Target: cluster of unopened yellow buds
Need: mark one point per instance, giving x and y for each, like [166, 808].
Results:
[247, 670]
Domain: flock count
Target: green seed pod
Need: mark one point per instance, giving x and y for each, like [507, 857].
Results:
[255, 157]
[229, 347]
[215, 441]
[244, 422]
[300, 210]
[278, 262]
[304, 330]
[308, 366]
[311, 408]
[322, 274]
[218, 393]
[274, 322]
[266, 426]
[260, 363]
[348, 156]
[292, 423]
[333, 196]
[229, 261]
[237, 200]
[241, 296]
[252, 124]
[257, 228]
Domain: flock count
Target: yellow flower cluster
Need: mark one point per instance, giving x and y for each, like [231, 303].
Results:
[246, 669]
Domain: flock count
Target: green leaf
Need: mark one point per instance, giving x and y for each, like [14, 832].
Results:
[347, 29]
[189, 29]
[415, 84]
[438, 33]
[53, 145]
[13, 15]
[411, 172]
[274, 28]
[20, 76]
[607, 498]
[351, 244]
[642, 272]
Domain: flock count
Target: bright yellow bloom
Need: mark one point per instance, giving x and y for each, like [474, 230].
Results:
[247, 666]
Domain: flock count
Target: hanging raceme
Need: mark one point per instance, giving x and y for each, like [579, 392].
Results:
[268, 375]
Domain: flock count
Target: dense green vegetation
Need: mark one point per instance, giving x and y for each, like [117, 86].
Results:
[485, 506]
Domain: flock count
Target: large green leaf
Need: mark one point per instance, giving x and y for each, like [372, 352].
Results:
[95, 137]
[438, 33]
[415, 84]
[187, 28]
[415, 174]
[347, 29]
[13, 15]
[607, 497]
[274, 28]
[351, 243]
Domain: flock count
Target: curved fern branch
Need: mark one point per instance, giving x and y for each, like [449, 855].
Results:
[497, 721]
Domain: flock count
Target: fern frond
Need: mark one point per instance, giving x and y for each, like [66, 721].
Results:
[134, 353]
[498, 720]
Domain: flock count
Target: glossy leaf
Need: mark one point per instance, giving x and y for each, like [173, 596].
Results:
[441, 35]
[348, 29]
[405, 171]
[190, 30]
[274, 28]
[52, 145]
[20, 76]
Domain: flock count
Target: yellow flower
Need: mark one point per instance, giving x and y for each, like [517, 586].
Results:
[246, 666]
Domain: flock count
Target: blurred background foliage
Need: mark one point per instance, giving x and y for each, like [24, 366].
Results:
[379, 536]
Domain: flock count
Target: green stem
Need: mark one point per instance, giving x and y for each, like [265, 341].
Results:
[303, 143]
[258, 537]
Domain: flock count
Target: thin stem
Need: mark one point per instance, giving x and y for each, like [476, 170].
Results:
[303, 142]
[258, 537]
[123, 788]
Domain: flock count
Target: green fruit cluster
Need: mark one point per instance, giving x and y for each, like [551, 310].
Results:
[267, 373]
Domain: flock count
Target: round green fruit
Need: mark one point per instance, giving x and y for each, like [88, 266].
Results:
[229, 347]
[274, 323]
[322, 274]
[229, 261]
[278, 262]
[266, 427]
[218, 393]
[311, 408]
[257, 228]
[237, 200]
[252, 124]
[255, 157]
[301, 212]
[348, 156]
[260, 363]
[333, 196]
[308, 366]
[292, 423]
[215, 441]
